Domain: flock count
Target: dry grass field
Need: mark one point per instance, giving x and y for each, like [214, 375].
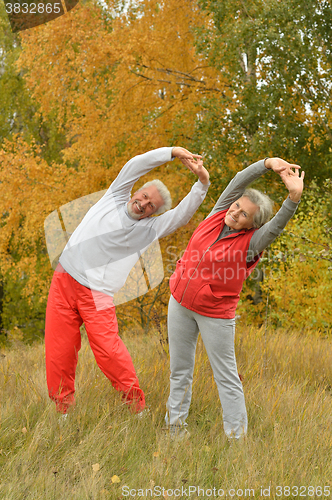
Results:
[103, 452]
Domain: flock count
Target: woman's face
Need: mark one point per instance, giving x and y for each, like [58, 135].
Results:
[241, 213]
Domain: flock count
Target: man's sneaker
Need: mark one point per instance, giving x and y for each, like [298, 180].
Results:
[143, 414]
[63, 418]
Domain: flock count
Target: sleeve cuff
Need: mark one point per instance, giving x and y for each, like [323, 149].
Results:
[262, 167]
[292, 205]
[203, 186]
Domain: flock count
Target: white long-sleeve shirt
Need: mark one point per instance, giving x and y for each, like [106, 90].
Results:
[108, 242]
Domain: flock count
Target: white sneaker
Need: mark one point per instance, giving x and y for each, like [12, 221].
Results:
[143, 414]
[63, 418]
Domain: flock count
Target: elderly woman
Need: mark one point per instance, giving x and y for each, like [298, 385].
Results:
[205, 289]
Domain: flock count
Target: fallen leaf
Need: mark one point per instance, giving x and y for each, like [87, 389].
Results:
[24, 430]
[115, 479]
[156, 454]
[95, 467]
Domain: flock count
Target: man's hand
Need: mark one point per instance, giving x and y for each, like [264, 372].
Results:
[293, 181]
[193, 162]
[196, 166]
[184, 154]
[279, 165]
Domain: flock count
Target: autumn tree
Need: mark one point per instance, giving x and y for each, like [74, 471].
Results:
[120, 84]
[19, 112]
[277, 58]
[18, 115]
[30, 188]
[116, 83]
[236, 80]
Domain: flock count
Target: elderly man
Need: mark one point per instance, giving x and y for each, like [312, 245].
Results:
[95, 264]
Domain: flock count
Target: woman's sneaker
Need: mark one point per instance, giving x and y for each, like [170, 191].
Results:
[178, 432]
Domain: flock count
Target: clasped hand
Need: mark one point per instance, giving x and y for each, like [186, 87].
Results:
[290, 175]
[193, 162]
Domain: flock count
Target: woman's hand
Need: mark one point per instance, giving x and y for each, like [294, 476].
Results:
[293, 181]
[278, 165]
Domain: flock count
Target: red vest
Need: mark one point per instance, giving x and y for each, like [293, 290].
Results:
[209, 277]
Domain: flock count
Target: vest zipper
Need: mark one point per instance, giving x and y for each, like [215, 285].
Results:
[202, 259]
[196, 268]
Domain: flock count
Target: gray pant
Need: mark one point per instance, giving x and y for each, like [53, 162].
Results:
[218, 337]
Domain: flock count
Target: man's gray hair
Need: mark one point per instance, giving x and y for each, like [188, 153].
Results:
[264, 204]
[164, 193]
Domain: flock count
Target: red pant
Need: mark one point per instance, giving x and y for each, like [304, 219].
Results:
[69, 305]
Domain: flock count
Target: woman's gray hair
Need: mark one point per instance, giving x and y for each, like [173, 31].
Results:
[264, 204]
[164, 193]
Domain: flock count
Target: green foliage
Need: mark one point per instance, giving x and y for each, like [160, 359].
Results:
[23, 302]
[23, 318]
[277, 57]
[16, 111]
[298, 268]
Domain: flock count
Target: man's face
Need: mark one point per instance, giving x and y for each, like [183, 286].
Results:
[241, 213]
[145, 203]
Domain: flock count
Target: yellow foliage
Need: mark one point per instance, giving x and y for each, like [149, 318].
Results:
[119, 84]
[115, 88]
[31, 189]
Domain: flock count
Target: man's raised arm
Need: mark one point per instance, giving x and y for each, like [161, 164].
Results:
[168, 222]
[141, 165]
